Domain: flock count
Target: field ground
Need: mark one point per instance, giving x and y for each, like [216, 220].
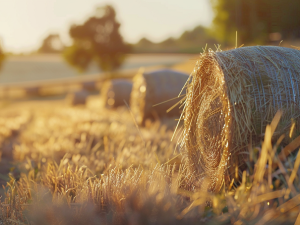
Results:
[35, 134]
[48, 67]
[48, 75]
[88, 164]
[62, 164]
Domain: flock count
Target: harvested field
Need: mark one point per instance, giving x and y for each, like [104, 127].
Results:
[51, 66]
[87, 164]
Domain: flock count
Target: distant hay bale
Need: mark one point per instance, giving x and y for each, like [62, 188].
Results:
[153, 88]
[89, 85]
[32, 91]
[232, 97]
[115, 92]
[77, 97]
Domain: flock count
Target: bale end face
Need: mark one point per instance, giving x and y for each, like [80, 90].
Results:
[207, 123]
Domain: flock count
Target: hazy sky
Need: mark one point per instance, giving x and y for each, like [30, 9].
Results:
[25, 23]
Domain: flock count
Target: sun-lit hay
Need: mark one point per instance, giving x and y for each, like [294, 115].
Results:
[96, 137]
[116, 194]
[152, 88]
[77, 97]
[88, 165]
[115, 93]
[232, 97]
[11, 122]
[62, 192]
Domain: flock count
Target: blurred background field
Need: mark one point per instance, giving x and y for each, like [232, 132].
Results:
[19, 69]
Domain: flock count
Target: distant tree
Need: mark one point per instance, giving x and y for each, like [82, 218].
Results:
[79, 56]
[97, 39]
[240, 16]
[191, 41]
[199, 36]
[2, 57]
[51, 44]
[144, 45]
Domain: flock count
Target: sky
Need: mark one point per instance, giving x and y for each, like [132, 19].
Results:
[25, 23]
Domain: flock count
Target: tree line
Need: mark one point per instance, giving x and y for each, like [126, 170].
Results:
[256, 21]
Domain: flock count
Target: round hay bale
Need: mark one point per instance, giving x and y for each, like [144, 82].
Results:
[114, 92]
[89, 85]
[77, 97]
[32, 91]
[150, 89]
[232, 97]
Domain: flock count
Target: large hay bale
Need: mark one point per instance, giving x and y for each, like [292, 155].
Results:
[115, 92]
[232, 97]
[77, 98]
[153, 88]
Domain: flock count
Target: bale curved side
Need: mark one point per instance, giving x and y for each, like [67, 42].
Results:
[89, 85]
[77, 98]
[232, 97]
[32, 91]
[153, 88]
[114, 92]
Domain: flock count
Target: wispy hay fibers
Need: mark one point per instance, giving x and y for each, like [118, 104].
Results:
[151, 89]
[232, 97]
[115, 92]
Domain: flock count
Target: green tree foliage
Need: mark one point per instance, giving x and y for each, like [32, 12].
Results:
[290, 19]
[145, 45]
[199, 36]
[97, 39]
[255, 20]
[51, 44]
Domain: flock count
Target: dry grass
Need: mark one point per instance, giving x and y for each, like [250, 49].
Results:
[93, 136]
[91, 165]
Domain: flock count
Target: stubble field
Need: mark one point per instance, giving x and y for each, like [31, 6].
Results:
[64, 164]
